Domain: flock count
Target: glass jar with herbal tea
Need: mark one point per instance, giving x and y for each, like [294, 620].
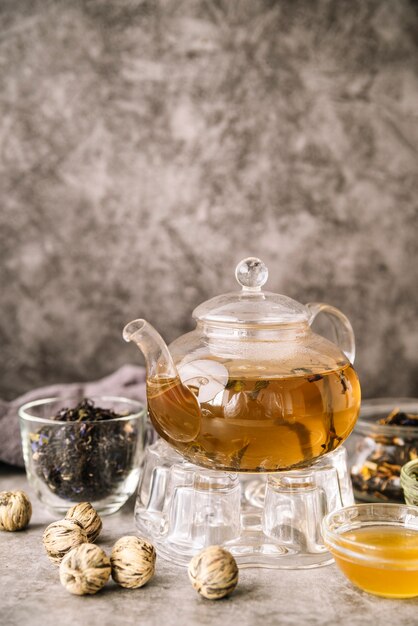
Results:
[385, 439]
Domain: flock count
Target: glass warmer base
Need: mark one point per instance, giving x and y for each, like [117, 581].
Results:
[264, 520]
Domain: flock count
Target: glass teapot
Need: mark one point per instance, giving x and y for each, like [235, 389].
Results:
[252, 388]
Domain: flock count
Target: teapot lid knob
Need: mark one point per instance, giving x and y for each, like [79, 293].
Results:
[251, 273]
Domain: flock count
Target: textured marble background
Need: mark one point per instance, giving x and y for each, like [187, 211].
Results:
[147, 146]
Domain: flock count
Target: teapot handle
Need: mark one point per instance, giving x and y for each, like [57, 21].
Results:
[341, 324]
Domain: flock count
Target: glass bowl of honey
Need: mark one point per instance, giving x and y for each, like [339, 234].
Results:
[376, 547]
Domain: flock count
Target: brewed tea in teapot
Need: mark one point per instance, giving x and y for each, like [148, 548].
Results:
[252, 388]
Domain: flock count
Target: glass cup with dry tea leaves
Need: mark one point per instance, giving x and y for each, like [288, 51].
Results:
[83, 450]
[384, 439]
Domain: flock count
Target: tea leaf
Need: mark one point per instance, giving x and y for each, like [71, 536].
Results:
[236, 458]
[343, 382]
[235, 385]
[301, 370]
[314, 378]
[259, 385]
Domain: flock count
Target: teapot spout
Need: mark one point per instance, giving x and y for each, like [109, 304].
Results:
[158, 359]
[173, 408]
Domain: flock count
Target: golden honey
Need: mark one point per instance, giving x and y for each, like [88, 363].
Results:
[382, 560]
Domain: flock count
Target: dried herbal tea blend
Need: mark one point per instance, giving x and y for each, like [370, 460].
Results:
[86, 458]
[399, 418]
[378, 478]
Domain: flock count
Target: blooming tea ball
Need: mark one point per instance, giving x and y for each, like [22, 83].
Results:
[85, 569]
[133, 562]
[15, 510]
[87, 516]
[213, 572]
[61, 537]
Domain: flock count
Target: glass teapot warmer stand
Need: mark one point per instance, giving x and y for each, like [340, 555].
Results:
[264, 520]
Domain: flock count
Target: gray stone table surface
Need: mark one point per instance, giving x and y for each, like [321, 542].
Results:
[30, 591]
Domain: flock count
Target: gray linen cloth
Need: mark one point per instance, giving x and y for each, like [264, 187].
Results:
[128, 381]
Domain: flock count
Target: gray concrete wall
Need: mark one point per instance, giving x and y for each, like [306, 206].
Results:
[147, 146]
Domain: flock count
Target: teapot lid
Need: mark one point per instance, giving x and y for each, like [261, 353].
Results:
[251, 305]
